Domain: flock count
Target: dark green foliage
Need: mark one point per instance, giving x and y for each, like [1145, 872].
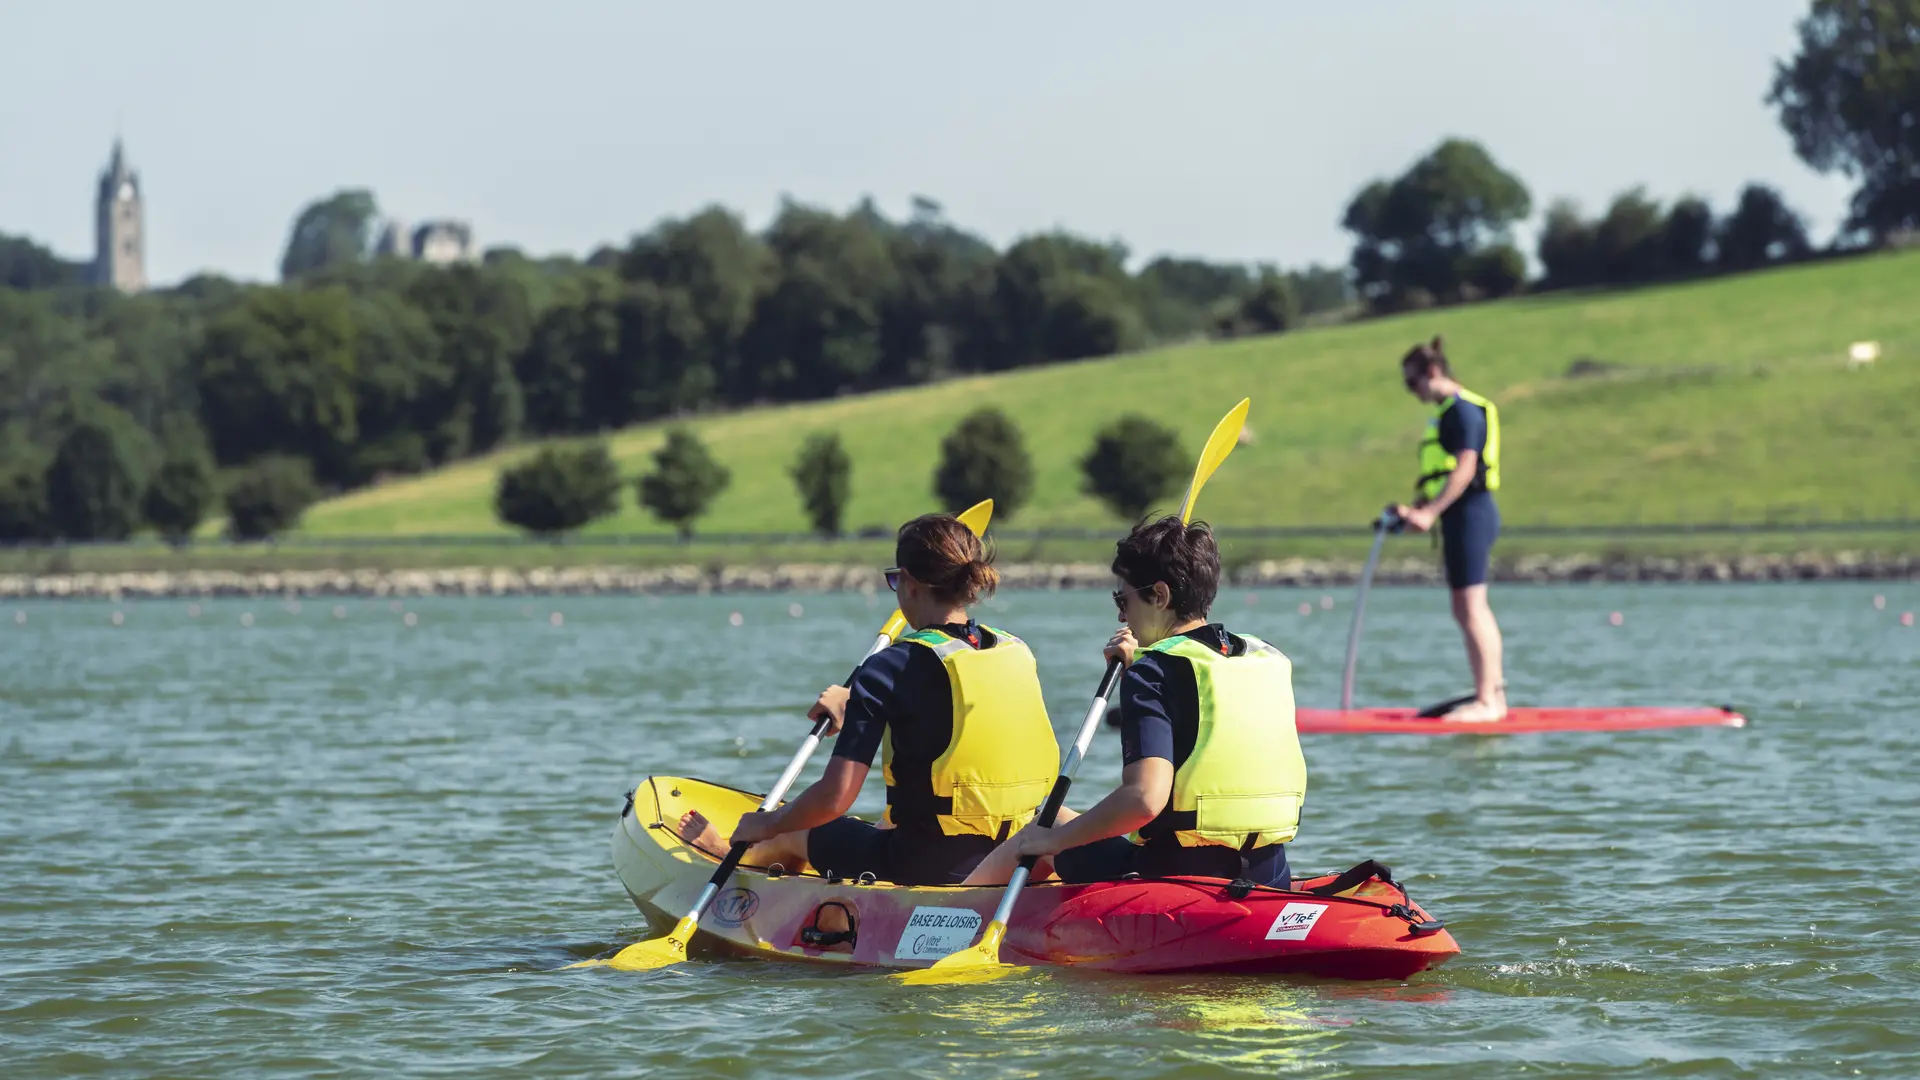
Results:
[277, 374]
[25, 516]
[1762, 229]
[98, 475]
[984, 457]
[1686, 240]
[1134, 465]
[1850, 99]
[267, 497]
[25, 265]
[559, 489]
[684, 482]
[1422, 229]
[1268, 307]
[822, 473]
[330, 231]
[181, 490]
[1497, 271]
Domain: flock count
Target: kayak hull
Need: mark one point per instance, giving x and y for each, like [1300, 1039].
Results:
[1518, 721]
[1138, 925]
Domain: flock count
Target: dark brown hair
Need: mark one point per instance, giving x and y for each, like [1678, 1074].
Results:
[1183, 556]
[1424, 358]
[945, 556]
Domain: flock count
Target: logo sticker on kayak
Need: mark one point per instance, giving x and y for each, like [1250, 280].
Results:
[1295, 921]
[934, 932]
[735, 906]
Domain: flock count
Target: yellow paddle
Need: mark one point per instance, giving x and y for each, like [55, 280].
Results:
[672, 949]
[981, 961]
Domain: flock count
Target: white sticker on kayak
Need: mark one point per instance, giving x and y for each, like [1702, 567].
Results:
[934, 932]
[1295, 921]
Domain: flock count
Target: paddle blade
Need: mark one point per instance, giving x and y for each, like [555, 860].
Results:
[977, 516]
[976, 964]
[1226, 435]
[651, 954]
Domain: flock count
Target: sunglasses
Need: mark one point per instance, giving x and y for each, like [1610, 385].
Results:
[1120, 597]
[893, 578]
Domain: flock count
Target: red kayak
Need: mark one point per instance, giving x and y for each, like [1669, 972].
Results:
[1519, 721]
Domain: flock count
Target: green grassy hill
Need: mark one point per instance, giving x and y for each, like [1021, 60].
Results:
[1726, 397]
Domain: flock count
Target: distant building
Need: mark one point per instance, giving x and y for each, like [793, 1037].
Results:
[119, 228]
[440, 242]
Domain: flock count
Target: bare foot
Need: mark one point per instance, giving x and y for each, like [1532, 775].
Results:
[695, 829]
[1478, 712]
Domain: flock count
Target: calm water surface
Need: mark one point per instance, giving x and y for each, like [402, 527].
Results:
[310, 845]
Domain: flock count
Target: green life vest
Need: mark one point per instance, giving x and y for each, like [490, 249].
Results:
[1002, 759]
[1436, 464]
[1244, 782]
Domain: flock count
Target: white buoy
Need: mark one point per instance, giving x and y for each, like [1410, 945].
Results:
[1879, 603]
[1306, 608]
[1616, 618]
[1326, 603]
[118, 618]
[556, 619]
[410, 618]
[794, 611]
[246, 618]
[339, 611]
[193, 611]
[20, 618]
[737, 619]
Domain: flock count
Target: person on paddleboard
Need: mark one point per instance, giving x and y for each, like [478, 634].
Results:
[1213, 776]
[1459, 472]
[955, 709]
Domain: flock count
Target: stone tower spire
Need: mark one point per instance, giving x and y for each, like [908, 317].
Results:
[119, 231]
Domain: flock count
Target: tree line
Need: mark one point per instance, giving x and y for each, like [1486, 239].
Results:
[1134, 464]
[122, 413]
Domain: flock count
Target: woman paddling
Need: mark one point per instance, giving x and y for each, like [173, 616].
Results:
[968, 750]
[1459, 472]
[1214, 778]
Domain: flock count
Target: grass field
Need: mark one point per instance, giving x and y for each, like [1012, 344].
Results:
[1726, 397]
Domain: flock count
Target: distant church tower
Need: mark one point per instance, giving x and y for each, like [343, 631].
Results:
[119, 228]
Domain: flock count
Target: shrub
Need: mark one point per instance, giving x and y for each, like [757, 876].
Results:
[984, 458]
[25, 516]
[822, 472]
[684, 482]
[267, 497]
[1134, 464]
[558, 489]
[182, 489]
[98, 474]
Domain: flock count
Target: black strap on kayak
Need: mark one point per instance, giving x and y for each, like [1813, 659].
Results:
[1241, 887]
[1356, 877]
[811, 934]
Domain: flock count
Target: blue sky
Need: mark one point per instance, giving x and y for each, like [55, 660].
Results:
[1231, 130]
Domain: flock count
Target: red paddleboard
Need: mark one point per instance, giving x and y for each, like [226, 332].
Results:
[1518, 721]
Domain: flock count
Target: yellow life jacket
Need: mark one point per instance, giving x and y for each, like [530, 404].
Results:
[1244, 782]
[1002, 759]
[1436, 464]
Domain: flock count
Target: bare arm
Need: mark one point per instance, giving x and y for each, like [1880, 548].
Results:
[1423, 513]
[1145, 787]
[824, 800]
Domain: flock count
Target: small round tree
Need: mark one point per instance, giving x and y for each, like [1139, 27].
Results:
[98, 474]
[267, 497]
[684, 482]
[1134, 464]
[182, 489]
[558, 489]
[984, 458]
[823, 474]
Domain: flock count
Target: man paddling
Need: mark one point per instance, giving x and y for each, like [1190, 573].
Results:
[1459, 472]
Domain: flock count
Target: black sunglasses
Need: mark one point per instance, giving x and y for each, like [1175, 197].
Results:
[1120, 596]
[893, 578]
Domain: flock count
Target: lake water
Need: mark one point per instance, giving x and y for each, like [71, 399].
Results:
[272, 842]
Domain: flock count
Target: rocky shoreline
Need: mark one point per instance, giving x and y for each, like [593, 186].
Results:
[1269, 573]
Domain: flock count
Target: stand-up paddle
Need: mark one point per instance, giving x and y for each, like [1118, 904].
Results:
[981, 961]
[672, 949]
[1387, 522]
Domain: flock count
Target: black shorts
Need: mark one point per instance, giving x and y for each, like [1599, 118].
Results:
[848, 847]
[1116, 857]
[1467, 532]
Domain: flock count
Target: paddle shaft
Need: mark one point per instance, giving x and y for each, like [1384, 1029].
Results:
[1056, 798]
[779, 790]
[1387, 522]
